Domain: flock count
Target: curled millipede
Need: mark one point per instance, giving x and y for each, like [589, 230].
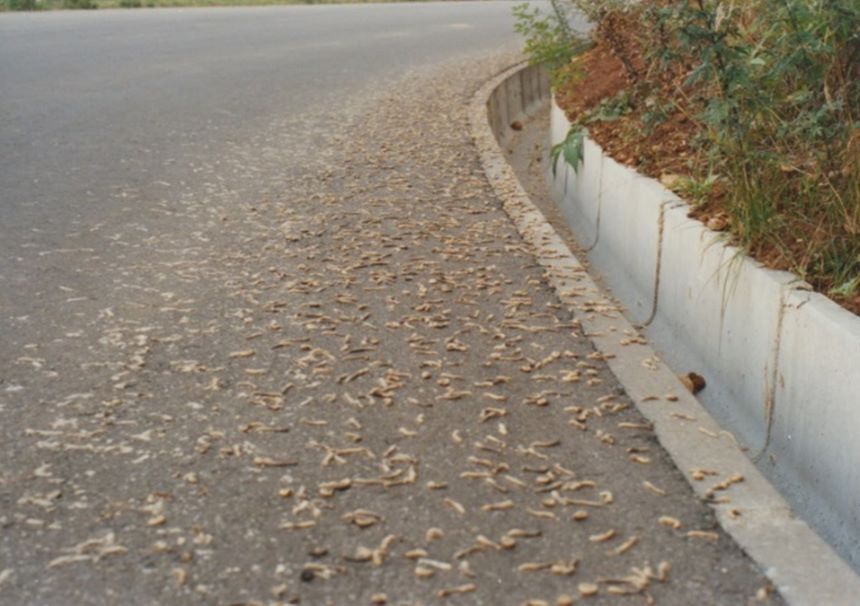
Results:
[652, 488]
[256, 426]
[577, 424]
[515, 481]
[603, 536]
[669, 521]
[520, 533]
[587, 589]
[362, 518]
[453, 395]
[605, 437]
[313, 422]
[699, 474]
[455, 505]
[573, 486]
[438, 565]
[484, 542]
[380, 553]
[481, 543]
[570, 376]
[494, 396]
[625, 546]
[534, 566]
[627, 425]
[564, 567]
[492, 413]
[270, 462]
[584, 503]
[466, 588]
[433, 534]
[546, 515]
[362, 554]
[733, 479]
[703, 534]
[327, 489]
[465, 569]
[545, 444]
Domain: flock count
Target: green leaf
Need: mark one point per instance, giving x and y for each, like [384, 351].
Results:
[848, 288]
[571, 149]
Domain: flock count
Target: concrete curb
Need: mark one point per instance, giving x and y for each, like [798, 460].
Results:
[801, 565]
[782, 364]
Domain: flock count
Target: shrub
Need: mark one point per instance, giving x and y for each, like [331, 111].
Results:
[773, 87]
[21, 5]
[549, 39]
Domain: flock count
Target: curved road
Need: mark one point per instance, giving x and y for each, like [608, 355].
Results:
[99, 109]
[267, 337]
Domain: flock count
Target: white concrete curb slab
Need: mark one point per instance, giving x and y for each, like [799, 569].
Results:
[723, 315]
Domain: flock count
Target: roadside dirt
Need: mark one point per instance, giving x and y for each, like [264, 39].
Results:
[666, 151]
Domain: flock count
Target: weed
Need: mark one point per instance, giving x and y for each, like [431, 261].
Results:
[610, 109]
[698, 191]
[571, 149]
[549, 39]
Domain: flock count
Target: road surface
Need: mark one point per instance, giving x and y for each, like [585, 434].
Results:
[102, 112]
[267, 336]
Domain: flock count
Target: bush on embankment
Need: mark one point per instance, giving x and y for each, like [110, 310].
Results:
[751, 110]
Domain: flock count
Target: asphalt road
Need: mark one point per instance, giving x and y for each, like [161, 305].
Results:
[269, 338]
[101, 108]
